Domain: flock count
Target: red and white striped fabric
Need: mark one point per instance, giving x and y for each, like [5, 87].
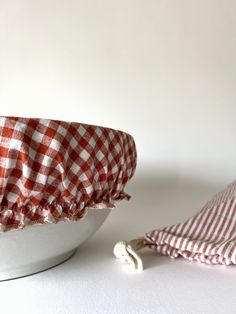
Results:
[209, 236]
[52, 170]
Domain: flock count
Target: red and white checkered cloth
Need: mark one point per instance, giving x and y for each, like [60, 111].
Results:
[52, 170]
[209, 236]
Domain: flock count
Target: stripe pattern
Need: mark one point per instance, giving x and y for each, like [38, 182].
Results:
[53, 170]
[209, 236]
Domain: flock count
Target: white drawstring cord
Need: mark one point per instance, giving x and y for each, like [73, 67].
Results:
[126, 252]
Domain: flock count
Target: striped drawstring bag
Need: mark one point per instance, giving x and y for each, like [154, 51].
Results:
[208, 237]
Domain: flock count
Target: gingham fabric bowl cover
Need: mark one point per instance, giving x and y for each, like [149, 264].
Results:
[52, 170]
[208, 237]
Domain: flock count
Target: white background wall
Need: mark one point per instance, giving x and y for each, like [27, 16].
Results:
[163, 70]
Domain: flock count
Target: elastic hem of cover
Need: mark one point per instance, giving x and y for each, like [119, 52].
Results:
[48, 217]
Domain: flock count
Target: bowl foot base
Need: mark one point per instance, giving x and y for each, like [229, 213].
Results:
[34, 268]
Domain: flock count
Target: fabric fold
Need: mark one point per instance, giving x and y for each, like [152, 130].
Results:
[209, 236]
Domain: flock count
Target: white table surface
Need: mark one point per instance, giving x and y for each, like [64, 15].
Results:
[92, 281]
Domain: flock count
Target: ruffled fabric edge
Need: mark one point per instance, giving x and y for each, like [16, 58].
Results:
[62, 210]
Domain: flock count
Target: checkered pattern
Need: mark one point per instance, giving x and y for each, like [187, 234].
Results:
[52, 170]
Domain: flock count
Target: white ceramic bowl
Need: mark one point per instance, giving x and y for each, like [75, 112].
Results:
[39, 247]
